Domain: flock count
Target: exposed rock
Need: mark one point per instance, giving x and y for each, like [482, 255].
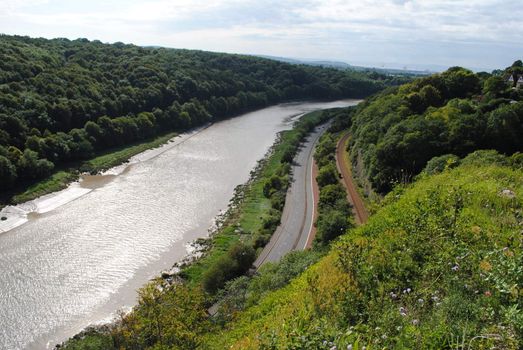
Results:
[507, 193]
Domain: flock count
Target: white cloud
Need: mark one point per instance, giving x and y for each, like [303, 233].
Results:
[479, 32]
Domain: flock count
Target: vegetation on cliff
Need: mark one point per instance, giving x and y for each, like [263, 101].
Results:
[439, 265]
[396, 132]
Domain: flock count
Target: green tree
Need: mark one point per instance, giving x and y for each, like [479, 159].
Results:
[495, 86]
[327, 175]
[7, 173]
[331, 225]
[30, 167]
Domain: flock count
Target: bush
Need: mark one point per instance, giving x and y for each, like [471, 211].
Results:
[216, 276]
[288, 155]
[234, 263]
[7, 173]
[330, 195]
[271, 185]
[438, 164]
[244, 255]
[278, 200]
[272, 221]
[327, 175]
[330, 225]
[260, 240]
[483, 157]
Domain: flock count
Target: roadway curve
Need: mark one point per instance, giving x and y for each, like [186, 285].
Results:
[344, 167]
[296, 230]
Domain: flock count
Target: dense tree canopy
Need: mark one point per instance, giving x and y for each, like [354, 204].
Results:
[456, 112]
[63, 100]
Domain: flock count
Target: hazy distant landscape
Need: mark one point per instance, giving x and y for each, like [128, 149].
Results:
[261, 175]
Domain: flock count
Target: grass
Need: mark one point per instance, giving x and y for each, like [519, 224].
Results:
[64, 175]
[119, 155]
[438, 265]
[56, 182]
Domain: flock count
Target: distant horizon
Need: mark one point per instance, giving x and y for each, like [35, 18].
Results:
[417, 34]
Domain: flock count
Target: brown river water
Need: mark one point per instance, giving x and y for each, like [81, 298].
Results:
[76, 257]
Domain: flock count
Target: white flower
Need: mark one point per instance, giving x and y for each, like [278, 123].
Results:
[403, 311]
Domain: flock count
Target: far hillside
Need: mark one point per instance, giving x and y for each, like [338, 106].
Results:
[64, 101]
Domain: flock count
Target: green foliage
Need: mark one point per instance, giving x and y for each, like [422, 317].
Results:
[273, 184]
[327, 175]
[334, 215]
[398, 131]
[234, 263]
[331, 225]
[495, 86]
[90, 340]
[437, 267]
[440, 163]
[67, 99]
[485, 157]
[168, 316]
[244, 291]
[30, 167]
[7, 173]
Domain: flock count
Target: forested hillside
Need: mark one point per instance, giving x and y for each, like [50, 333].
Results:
[456, 112]
[63, 100]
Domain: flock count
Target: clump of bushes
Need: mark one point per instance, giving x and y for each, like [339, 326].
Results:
[334, 217]
[246, 291]
[235, 262]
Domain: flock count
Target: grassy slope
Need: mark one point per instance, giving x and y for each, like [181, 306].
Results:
[437, 266]
[61, 178]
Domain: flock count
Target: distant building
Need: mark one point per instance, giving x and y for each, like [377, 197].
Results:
[519, 83]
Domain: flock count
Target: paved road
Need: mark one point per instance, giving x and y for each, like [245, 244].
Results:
[297, 223]
[342, 161]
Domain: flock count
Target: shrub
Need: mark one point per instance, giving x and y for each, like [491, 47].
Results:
[438, 164]
[235, 262]
[288, 154]
[330, 225]
[271, 185]
[272, 221]
[327, 175]
[483, 157]
[278, 200]
[330, 195]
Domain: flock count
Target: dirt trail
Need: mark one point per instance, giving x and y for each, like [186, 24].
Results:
[342, 162]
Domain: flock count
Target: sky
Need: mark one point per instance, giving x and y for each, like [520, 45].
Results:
[413, 34]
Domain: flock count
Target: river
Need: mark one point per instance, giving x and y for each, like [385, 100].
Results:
[77, 257]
